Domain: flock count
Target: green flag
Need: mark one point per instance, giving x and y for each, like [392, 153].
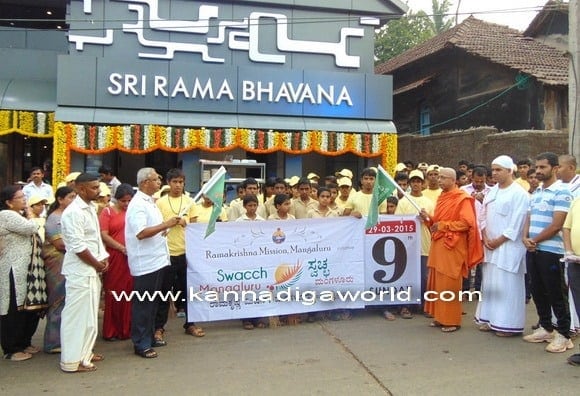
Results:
[215, 192]
[383, 188]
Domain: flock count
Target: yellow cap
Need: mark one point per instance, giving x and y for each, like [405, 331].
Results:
[313, 175]
[71, 177]
[344, 173]
[105, 190]
[416, 173]
[36, 199]
[423, 166]
[433, 168]
[400, 167]
[163, 189]
[293, 181]
[344, 181]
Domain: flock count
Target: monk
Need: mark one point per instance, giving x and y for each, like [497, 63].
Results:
[455, 248]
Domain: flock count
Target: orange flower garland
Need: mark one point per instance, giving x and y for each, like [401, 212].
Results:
[140, 139]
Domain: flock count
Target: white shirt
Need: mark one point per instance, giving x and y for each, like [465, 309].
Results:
[469, 189]
[44, 191]
[504, 211]
[113, 184]
[149, 254]
[81, 231]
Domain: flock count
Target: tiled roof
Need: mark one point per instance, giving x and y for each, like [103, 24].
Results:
[545, 16]
[496, 43]
[413, 85]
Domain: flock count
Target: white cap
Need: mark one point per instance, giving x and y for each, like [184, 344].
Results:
[504, 161]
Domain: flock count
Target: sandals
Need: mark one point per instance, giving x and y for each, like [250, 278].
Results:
[31, 349]
[484, 327]
[17, 356]
[148, 353]
[196, 331]
[435, 324]
[158, 340]
[450, 329]
[97, 357]
[83, 369]
[388, 315]
[247, 325]
[406, 314]
[506, 334]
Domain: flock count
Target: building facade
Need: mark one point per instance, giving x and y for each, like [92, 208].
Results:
[166, 83]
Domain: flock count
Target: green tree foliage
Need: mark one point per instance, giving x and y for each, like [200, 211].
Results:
[441, 22]
[399, 35]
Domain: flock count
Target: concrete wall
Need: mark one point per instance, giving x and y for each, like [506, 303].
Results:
[479, 145]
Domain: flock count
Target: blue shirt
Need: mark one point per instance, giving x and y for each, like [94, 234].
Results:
[544, 202]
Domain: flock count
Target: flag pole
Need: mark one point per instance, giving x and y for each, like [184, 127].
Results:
[207, 186]
[412, 202]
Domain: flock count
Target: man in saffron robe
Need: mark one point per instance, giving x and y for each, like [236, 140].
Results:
[455, 248]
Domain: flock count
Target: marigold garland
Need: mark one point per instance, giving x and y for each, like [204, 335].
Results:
[140, 139]
[28, 123]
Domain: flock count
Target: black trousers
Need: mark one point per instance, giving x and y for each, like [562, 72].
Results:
[549, 290]
[17, 327]
[174, 278]
[143, 312]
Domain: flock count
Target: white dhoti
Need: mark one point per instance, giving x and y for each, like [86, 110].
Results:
[79, 323]
[503, 302]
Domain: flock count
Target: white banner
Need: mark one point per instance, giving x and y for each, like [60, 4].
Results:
[393, 260]
[266, 268]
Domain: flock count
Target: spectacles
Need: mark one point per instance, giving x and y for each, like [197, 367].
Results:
[157, 179]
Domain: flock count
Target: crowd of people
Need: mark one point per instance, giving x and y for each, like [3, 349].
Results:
[510, 230]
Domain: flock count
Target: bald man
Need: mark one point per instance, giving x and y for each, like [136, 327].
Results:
[567, 174]
[455, 249]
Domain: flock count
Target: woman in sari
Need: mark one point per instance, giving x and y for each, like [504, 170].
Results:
[53, 253]
[118, 279]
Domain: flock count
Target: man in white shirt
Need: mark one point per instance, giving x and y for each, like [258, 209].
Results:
[37, 186]
[502, 307]
[148, 254]
[478, 189]
[109, 179]
[85, 257]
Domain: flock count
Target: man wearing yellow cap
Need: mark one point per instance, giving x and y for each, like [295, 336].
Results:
[405, 207]
[433, 190]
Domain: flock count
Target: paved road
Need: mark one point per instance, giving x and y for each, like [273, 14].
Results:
[366, 355]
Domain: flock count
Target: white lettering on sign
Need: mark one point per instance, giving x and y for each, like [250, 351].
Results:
[300, 93]
[240, 35]
[252, 91]
[137, 85]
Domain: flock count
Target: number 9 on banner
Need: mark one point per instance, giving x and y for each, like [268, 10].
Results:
[389, 251]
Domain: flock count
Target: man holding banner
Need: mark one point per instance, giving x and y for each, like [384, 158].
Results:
[455, 249]
[408, 205]
[359, 203]
[176, 203]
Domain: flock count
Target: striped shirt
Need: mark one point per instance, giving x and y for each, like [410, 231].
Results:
[544, 202]
[574, 186]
